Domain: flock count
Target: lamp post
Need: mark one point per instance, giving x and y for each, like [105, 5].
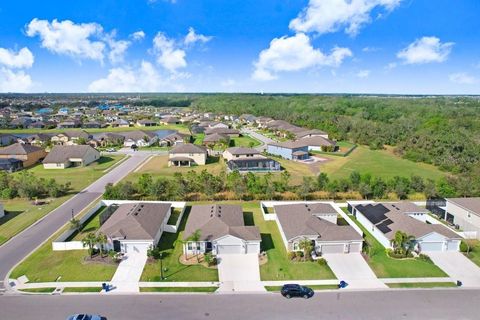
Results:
[161, 267]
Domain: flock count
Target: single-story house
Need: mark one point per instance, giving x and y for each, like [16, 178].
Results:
[464, 213]
[173, 139]
[383, 220]
[169, 120]
[39, 139]
[70, 137]
[110, 139]
[61, 157]
[217, 125]
[69, 124]
[215, 138]
[291, 150]
[225, 131]
[311, 133]
[318, 223]
[92, 125]
[139, 138]
[7, 139]
[28, 154]
[222, 230]
[318, 143]
[120, 123]
[136, 227]
[146, 123]
[187, 154]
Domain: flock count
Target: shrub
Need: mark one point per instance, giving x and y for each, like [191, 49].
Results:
[292, 255]
[322, 262]
[463, 246]
[424, 257]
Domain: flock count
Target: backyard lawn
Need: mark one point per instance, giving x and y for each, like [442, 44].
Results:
[172, 248]
[474, 253]
[386, 267]
[379, 163]
[244, 141]
[22, 213]
[279, 267]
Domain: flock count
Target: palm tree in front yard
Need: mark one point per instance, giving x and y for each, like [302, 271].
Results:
[306, 245]
[89, 241]
[195, 237]
[101, 240]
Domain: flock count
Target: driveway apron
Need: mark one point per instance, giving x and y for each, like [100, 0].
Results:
[239, 273]
[457, 266]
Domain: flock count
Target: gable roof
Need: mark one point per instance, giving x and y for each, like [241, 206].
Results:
[317, 141]
[19, 149]
[219, 220]
[221, 131]
[392, 217]
[62, 154]
[214, 137]
[298, 220]
[470, 204]
[136, 221]
[138, 135]
[242, 151]
[187, 148]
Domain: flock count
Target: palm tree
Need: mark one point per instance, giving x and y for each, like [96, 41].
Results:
[101, 240]
[403, 243]
[89, 241]
[195, 237]
[306, 245]
[75, 224]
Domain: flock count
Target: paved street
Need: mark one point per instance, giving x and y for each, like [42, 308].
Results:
[260, 137]
[401, 304]
[20, 246]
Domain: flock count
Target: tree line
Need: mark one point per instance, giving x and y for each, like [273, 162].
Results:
[26, 185]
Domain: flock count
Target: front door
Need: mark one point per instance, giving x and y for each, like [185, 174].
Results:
[116, 246]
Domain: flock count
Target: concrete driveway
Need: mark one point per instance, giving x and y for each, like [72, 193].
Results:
[457, 266]
[353, 269]
[239, 273]
[128, 273]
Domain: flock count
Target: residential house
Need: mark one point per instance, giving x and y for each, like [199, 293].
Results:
[464, 213]
[173, 139]
[7, 139]
[187, 154]
[71, 137]
[64, 156]
[69, 124]
[222, 230]
[92, 125]
[225, 131]
[169, 120]
[28, 154]
[217, 125]
[311, 133]
[146, 123]
[383, 220]
[318, 143]
[216, 138]
[139, 138]
[11, 165]
[40, 139]
[240, 153]
[318, 223]
[249, 160]
[120, 123]
[291, 150]
[133, 228]
[107, 139]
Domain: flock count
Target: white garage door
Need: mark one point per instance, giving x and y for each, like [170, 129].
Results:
[355, 247]
[222, 249]
[332, 248]
[253, 248]
[431, 246]
[453, 245]
[135, 248]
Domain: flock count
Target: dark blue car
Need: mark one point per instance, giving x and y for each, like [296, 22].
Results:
[296, 290]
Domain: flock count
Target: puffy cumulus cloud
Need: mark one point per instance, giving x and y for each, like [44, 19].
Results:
[14, 81]
[363, 74]
[68, 38]
[117, 50]
[293, 54]
[21, 59]
[168, 54]
[324, 16]
[425, 50]
[193, 37]
[462, 78]
[138, 35]
[144, 79]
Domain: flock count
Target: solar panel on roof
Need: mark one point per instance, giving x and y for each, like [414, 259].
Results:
[383, 227]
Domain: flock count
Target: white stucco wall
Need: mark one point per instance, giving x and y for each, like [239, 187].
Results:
[468, 221]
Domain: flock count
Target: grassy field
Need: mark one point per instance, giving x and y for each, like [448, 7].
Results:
[178, 289]
[244, 141]
[379, 163]
[81, 289]
[178, 127]
[423, 285]
[91, 225]
[175, 271]
[22, 213]
[474, 253]
[315, 287]
[39, 290]
[386, 267]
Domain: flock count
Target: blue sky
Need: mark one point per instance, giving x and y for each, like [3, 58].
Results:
[320, 46]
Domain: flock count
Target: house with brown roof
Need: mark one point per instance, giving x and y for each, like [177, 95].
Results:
[26, 153]
[383, 220]
[225, 131]
[317, 222]
[135, 227]
[139, 138]
[173, 139]
[186, 155]
[169, 120]
[72, 137]
[216, 138]
[249, 160]
[464, 213]
[61, 157]
[146, 123]
[220, 229]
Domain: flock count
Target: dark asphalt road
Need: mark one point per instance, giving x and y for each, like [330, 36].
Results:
[21, 245]
[391, 305]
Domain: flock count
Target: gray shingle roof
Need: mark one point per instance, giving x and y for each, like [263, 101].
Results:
[471, 204]
[216, 221]
[242, 150]
[61, 154]
[188, 148]
[136, 221]
[19, 149]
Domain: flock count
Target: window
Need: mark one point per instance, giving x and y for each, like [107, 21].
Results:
[296, 246]
[189, 246]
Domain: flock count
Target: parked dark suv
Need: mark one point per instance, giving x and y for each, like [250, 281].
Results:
[296, 290]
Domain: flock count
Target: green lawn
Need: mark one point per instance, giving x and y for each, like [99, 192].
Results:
[474, 253]
[179, 127]
[178, 289]
[423, 285]
[21, 213]
[379, 163]
[39, 290]
[91, 225]
[199, 138]
[82, 289]
[386, 267]
[175, 271]
[314, 287]
[279, 267]
[244, 141]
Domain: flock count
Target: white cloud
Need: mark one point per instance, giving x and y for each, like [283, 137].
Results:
[14, 81]
[425, 50]
[144, 79]
[293, 54]
[228, 83]
[363, 74]
[462, 78]
[193, 37]
[21, 59]
[138, 35]
[168, 54]
[66, 37]
[370, 49]
[324, 16]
